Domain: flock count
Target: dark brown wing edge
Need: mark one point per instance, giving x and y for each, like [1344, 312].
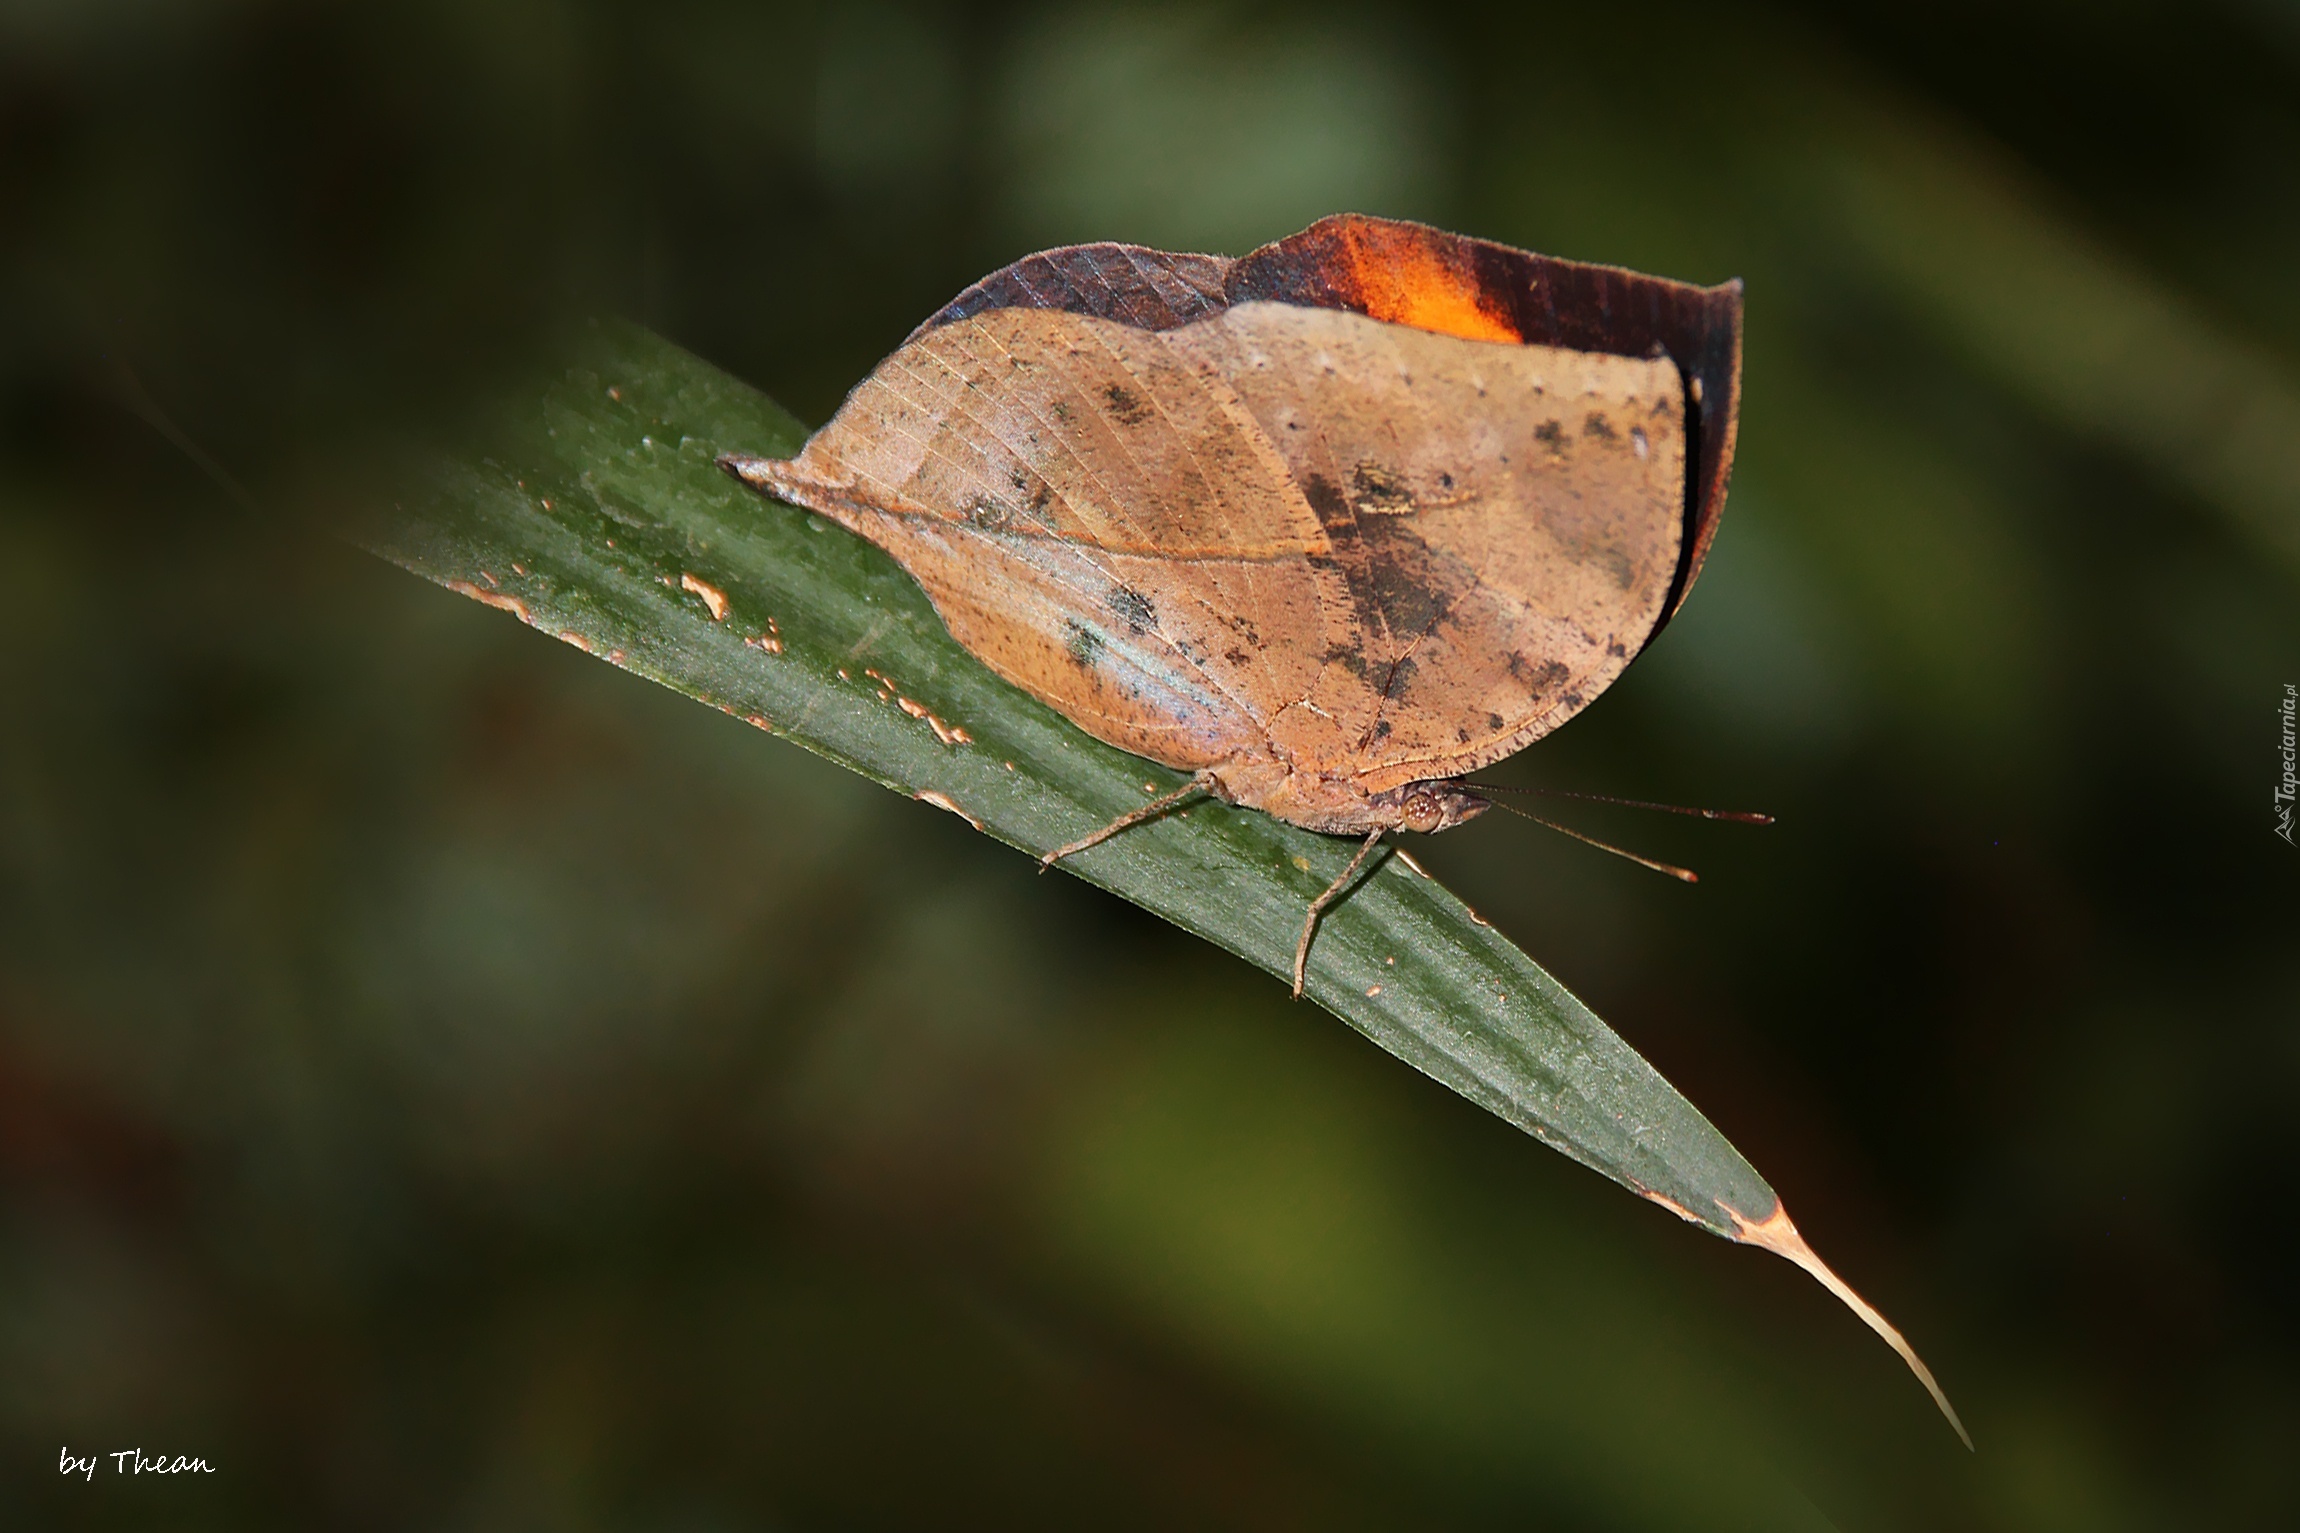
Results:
[1351, 261]
[1131, 284]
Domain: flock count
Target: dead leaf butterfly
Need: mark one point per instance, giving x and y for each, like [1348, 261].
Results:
[1327, 526]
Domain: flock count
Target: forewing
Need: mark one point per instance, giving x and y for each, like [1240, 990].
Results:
[1411, 274]
[1506, 520]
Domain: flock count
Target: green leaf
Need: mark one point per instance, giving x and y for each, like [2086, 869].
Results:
[604, 520]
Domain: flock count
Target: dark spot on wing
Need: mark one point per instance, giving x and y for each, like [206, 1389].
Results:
[1084, 644]
[1132, 608]
[1550, 435]
[1333, 511]
[1403, 580]
[1399, 586]
[1350, 657]
[1126, 407]
[1378, 489]
[988, 514]
[1494, 721]
[1595, 424]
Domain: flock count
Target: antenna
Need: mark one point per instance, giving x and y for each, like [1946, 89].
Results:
[1683, 875]
[1738, 816]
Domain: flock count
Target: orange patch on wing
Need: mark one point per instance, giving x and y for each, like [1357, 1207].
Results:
[1401, 278]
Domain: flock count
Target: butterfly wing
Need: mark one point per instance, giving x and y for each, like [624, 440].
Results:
[1096, 517]
[1506, 518]
[1411, 274]
[1376, 502]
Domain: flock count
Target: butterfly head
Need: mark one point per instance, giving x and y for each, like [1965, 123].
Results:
[1429, 807]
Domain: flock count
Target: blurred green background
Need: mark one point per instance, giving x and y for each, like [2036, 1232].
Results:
[447, 1083]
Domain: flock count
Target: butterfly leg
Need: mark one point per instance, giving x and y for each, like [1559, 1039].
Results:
[1127, 821]
[1319, 906]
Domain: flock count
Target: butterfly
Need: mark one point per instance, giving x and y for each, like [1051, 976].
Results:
[1328, 526]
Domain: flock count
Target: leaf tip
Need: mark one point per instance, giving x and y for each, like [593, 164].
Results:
[1775, 1233]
